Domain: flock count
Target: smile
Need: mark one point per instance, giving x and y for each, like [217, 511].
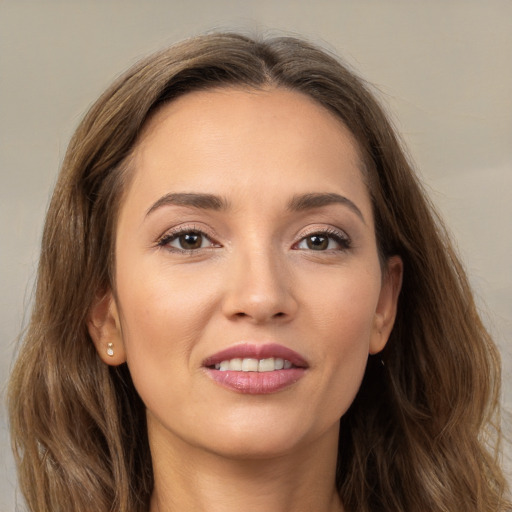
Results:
[248, 364]
[256, 369]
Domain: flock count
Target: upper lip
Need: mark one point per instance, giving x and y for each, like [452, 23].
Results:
[256, 351]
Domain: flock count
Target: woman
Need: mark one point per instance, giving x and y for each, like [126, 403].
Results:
[245, 301]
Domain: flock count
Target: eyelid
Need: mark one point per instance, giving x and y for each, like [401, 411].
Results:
[339, 235]
[174, 233]
[336, 234]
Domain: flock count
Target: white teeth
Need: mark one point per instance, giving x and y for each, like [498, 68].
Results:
[266, 365]
[235, 365]
[224, 365]
[249, 364]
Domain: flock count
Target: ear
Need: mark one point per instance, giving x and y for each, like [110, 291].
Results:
[385, 313]
[105, 330]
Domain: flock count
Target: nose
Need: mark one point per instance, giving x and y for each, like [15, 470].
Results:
[259, 289]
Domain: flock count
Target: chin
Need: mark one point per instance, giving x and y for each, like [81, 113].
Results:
[254, 446]
[267, 439]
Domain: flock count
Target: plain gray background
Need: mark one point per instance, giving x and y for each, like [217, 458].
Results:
[443, 68]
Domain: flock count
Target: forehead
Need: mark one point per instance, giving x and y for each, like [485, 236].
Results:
[206, 114]
[244, 139]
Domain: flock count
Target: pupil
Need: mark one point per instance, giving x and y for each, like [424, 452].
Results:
[191, 241]
[317, 243]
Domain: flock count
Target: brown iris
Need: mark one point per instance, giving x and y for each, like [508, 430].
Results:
[190, 241]
[317, 242]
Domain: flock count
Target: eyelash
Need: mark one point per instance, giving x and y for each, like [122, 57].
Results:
[339, 237]
[173, 235]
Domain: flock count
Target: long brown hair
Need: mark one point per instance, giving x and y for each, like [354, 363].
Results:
[423, 431]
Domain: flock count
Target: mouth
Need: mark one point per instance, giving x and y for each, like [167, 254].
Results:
[249, 364]
[256, 369]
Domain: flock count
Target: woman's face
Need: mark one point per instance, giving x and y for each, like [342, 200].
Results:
[246, 245]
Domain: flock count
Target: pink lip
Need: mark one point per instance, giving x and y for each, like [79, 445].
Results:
[256, 383]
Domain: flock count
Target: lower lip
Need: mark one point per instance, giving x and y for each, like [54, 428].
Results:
[256, 383]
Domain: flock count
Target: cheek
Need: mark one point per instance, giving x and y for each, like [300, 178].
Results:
[161, 306]
[161, 319]
[343, 315]
[345, 304]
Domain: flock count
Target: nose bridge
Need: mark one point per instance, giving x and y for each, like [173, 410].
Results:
[259, 284]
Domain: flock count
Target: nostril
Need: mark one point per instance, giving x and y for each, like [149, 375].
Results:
[241, 314]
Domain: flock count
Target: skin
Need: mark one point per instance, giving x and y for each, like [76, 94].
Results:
[256, 277]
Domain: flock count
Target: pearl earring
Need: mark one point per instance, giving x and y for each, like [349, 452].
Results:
[110, 349]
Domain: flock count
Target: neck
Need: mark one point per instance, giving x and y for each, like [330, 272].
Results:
[191, 479]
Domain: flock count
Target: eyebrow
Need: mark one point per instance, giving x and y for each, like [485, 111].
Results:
[317, 200]
[194, 200]
[212, 202]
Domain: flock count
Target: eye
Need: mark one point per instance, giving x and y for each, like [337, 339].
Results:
[186, 240]
[324, 241]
